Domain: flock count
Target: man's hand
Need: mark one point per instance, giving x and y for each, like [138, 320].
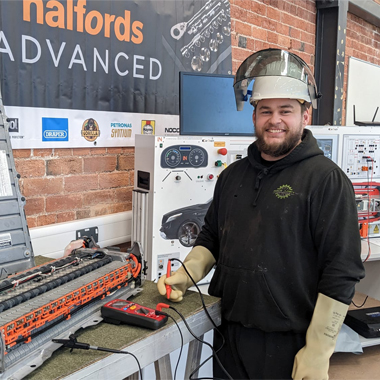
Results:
[313, 360]
[198, 263]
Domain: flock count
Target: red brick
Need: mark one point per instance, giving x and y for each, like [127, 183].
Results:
[64, 152]
[245, 4]
[307, 37]
[96, 151]
[83, 214]
[81, 152]
[41, 186]
[64, 166]
[258, 8]
[255, 20]
[282, 29]
[31, 221]
[99, 164]
[81, 183]
[259, 45]
[99, 210]
[34, 206]
[273, 14]
[270, 25]
[42, 152]
[125, 162]
[21, 153]
[44, 220]
[65, 216]
[96, 197]
[239, 14]
[111, 180]
[120, 207]
[284, 42]
[241, 54]
[128, 149]
[63, 202]
[114, 150]
[243, 28]
[30, 168]
[295, 33]
[123, 195]
[272, 38]
[259, 33]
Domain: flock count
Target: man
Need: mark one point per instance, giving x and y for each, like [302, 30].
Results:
[283, 232]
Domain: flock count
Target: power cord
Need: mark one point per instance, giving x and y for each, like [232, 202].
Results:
[213, 323]
[73, 343]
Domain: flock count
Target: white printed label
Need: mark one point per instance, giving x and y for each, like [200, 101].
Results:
[5, 181]
[5, 240]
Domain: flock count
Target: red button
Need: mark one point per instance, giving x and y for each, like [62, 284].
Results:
[222, 151]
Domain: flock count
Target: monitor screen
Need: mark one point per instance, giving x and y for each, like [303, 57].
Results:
[208, 106]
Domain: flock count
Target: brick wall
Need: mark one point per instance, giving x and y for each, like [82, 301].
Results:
[67, 184]
[62, 185]
[286, 24]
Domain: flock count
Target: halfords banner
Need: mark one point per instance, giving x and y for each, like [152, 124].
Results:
[80, 73]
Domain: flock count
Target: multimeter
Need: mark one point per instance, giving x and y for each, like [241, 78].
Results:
[122, 311]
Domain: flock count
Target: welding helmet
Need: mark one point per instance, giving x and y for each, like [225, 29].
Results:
[277, 74]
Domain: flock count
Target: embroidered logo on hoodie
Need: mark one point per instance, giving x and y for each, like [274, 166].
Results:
[284, 191]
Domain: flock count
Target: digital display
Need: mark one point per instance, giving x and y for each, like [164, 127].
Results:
[208, 107]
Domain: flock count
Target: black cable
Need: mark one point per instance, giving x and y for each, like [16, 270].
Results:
[73, 343]
[203, 342]
[180, 333]
[203, 303]
[358, 307]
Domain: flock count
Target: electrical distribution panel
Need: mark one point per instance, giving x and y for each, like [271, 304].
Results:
[357, 152]
[355, 149]
[177, 175]
[361, 156]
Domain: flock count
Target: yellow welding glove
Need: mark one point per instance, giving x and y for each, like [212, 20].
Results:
[313, 360]
[198, 263]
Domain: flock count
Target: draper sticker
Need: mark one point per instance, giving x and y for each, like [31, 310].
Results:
[55, 129]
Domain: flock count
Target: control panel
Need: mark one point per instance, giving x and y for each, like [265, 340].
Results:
[177, 176]
[361, 156]
[184, 156]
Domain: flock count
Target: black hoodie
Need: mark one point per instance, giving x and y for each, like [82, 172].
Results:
[281, 235]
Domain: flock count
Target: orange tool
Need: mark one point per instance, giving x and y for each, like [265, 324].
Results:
[168, 274]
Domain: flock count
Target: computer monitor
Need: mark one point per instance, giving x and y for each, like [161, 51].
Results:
[208, 106]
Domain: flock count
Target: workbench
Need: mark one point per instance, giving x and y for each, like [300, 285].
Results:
[149, 346]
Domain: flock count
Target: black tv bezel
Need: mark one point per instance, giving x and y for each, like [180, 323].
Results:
[206, 133]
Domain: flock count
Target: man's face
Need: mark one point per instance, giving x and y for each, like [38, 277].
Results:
[279, 124]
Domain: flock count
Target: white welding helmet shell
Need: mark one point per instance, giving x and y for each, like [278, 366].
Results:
[276, 73]
[270, 87]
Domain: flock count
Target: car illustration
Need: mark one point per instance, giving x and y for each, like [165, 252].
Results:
[184, 223]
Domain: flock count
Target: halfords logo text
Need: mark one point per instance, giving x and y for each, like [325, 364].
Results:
[55, 134]
[63, 14]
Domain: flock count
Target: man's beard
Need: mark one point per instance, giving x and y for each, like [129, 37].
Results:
[281, 149]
